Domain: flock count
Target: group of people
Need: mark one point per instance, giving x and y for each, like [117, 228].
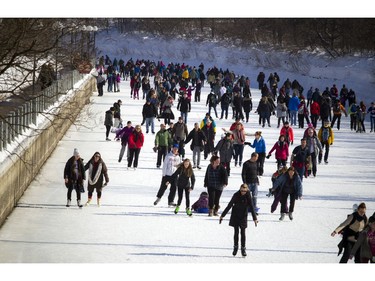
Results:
[171, 82]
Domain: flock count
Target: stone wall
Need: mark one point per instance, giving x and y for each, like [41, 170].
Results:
[21, 169]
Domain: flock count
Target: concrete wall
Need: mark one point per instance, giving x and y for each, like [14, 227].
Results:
[23, 168]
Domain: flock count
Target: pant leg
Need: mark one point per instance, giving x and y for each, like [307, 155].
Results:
[180, 192]
[136, 157]
[283, 202]
[131, 156]
[292, 201]
[236, 235]
[217, 198]
[172, 190]
[187, 197]
[162, 187]
[243, 237]
[211, 197]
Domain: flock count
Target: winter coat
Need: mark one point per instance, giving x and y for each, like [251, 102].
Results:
[163, 138]
[124, 134]
[238, 136]
[282, 150]
[225, 149]
[210, 134]
[281, 181]
[149, 110]
[182, 180]
[197, 138]
[240, 205]
[184, 105]
[97, 173]
[288, 133]
[69, 172]
[315, 108]
[180, 131]
[314, 145]
[363, 244]
[259, 145]
[293, 103]
[170, 163]
[221, 179]
[108, 121]
[136, 140]
[201, 205]
[281, 110]
[250, 172]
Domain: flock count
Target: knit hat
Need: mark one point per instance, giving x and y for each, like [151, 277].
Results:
[176, 145]
[76, 152]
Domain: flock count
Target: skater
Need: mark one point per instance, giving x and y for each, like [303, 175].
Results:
[288, 185]
[241, 203]
[350, 230]
[123, 135]
[366, 243]
[185, 180]
[282, 152]
[170, 163]
[97, 172]
[198, 140]
[108, 122]
[74, 175]
[163, 141]
[225, 150]
[216, 179]
[250, 177]
[300, 158]
[326, 138]
[260, 147]
[135, 143]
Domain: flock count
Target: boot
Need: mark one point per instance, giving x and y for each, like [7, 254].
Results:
[68, 203]
[235, 250]
[177, 209]
[216, 212]
[291, 216]
[88, 202]
[282, 216]
[79, 203]
[157, 201]
[98, 202]
[210, 212]
[188, 212]
[243, 251]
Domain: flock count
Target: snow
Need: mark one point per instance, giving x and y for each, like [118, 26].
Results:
[129, 235]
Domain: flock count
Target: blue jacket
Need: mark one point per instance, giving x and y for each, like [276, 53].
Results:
[259, 145]
[279, 183]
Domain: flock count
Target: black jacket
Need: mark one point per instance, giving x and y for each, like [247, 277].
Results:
[69, 172]
[241, 205]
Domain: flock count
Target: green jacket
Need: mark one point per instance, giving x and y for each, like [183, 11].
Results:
[163, 138]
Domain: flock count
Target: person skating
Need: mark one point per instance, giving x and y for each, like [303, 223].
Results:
[216, 179]
[326, 138]
[169, 167]
[288, 185]
[240, 204]
[97, 173]
[74, 175]
[185, 180]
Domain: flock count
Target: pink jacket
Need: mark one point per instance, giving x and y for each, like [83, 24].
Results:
[282, 150]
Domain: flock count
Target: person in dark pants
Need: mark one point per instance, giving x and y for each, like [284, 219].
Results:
[300, 158]
[216, 179]
[350, 230]
[100, 82]
[135, 143]
[163, 141]
[108, 121]
[74, 175]
[171, 161]
[240, 204]
[288, 185]
[250, 177]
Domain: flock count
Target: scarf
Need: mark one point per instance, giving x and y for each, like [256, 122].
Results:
[97, 175]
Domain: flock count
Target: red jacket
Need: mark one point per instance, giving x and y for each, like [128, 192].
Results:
[136, 139]
[290, 136]
[282, 151]
[315, 108]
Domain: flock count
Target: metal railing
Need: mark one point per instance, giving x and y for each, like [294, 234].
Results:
[23, 113]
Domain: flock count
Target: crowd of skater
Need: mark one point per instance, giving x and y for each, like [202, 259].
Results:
[167, 88]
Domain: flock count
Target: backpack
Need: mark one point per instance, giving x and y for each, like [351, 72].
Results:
[301, 110]
[325, 134]
[336, 108]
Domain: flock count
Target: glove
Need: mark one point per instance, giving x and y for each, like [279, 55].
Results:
[105, 184]
[268, 156]
[220, 220]
[247, 143]
[291, 142]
